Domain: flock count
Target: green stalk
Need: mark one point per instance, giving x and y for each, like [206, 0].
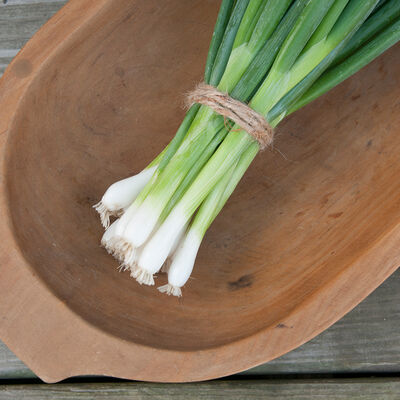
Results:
[391, 35]
[219, 30]
[234, 144]
[179, 136]
[191, 175]
[217, 180]
[218, 165]
[247, 46]
[237, 142]
[180, 158]
[193, 197]
[306, 25]
[225, 48]
[334, 76]
[202, 130]
[199, 135]
[248, 22]
[165, 156]
[379, 20]
[259, 67]
[361, 58]
[209, 208]
[216, 200]
[350, 21]
[327, 24]
[277, 55]
[253, 24]
[270, 16]
[278, 79]
[379, 5]
[216, 47]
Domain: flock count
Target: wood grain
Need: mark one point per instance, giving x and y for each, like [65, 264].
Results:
[329, 171]
[367, 340]
[19, 21]
[354, 389]
[336, 350]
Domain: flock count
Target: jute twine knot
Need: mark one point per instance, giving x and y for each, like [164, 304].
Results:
[240, 113]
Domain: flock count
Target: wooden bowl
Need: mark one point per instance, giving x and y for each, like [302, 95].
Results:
[311, 230]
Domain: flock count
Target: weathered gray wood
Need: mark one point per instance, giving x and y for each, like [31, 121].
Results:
[367, 340]
[19, 20]
[30, 2]
[11, 367]
[361, 389]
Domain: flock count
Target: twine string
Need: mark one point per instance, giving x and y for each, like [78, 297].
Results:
[240, 113]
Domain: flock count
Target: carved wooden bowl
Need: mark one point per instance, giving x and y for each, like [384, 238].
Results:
[311, 230]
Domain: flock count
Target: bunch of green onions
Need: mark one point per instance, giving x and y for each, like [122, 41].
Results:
[274, 55]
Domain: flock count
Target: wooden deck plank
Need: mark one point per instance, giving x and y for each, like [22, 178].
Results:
[355, 389]
[11, 367]
[19, 20]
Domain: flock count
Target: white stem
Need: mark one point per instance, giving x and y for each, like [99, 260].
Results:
[157, 249]
[125, 219]
[141, 225]
[122, 248]
[175, 246]
[142, 276]
[166, 265]
[184, 259]
[120, 195]
[178, 240]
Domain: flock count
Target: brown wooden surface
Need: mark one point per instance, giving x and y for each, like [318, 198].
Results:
[367, 340]
[0, 10]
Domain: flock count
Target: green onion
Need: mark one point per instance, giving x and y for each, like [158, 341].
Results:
[185, 255]
[275, 55]
[201, 132]
[226, 45]
[219, 30]
[388, 13]
[336, 75]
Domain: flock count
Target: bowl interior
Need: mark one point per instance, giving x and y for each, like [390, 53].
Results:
[111, 98]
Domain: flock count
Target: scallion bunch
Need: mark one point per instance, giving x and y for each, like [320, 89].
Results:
[274, 55]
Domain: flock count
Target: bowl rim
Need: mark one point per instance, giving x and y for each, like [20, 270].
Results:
[58, 343]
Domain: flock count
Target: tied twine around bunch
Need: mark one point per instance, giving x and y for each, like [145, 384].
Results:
[240, 113]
